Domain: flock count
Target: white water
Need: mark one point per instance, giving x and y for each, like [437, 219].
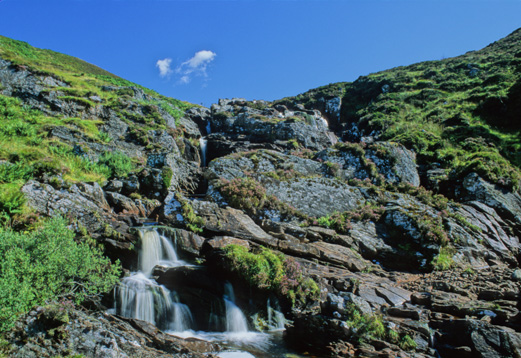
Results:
[155, 250]
[276, 319]
[202, 145]
[139, 296]
[235, 319]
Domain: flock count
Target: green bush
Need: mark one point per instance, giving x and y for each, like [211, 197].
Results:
[11, 198]
[118, 163]
[272, 271]
[49, 264]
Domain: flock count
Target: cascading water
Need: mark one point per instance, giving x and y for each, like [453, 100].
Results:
[276, 319]
[235, 319]
[202, 145]
[139, 296]
[155, 250]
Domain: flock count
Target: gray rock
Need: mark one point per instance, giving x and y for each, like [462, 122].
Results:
[316, 196]
[506, 204]
[83, 202]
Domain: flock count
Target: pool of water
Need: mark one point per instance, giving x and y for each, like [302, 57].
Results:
[244, 344]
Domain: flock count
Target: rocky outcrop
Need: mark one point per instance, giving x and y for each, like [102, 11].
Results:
[62, 330]
[84, 202]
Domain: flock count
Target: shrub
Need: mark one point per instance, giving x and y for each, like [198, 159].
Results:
[48, 264]
[444, 261]
[272, 271]
[243, 193]
[118, 163]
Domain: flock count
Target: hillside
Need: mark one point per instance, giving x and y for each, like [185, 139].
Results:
[461, 114]
[380, 217]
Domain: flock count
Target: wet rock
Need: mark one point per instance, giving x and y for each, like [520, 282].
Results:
[340, 255]
[230, 222]
[421, 298]
[404, 312]
[483, 339]
[395, 296]
[124, 205]
[187, 242]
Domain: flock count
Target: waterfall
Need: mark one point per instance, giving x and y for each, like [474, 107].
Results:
[181, 319]
[208, 128]
[235, 319]
[139, 296]
[155, 250]
[276, 319]
[202, 145]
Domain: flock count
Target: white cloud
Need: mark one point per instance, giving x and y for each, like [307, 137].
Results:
[164, 67]
[196, 65]
[185, 79]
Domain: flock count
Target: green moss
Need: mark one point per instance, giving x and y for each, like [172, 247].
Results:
[166, 174]
[271, 271]
[407, 343]
[364, 326]
[193, 222]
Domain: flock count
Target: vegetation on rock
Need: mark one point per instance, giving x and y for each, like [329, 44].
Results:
[272, 271]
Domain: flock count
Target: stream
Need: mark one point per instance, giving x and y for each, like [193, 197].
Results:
[140, 296]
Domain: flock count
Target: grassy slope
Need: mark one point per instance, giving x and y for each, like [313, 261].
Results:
[25, 138]
[463, 113]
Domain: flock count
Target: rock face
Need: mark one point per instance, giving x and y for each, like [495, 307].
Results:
[400, 270]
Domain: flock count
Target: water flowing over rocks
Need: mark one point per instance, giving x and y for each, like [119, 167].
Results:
[400, 270]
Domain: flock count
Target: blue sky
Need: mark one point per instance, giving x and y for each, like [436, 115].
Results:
[255, 49]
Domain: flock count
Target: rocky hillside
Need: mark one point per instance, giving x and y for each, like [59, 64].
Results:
[383, 214]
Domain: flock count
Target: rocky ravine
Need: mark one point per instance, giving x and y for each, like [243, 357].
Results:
[357, 217]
